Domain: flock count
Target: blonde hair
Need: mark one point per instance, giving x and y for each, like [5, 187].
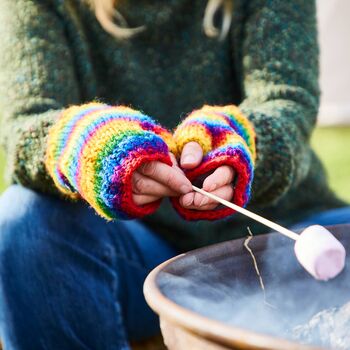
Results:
[114, 23]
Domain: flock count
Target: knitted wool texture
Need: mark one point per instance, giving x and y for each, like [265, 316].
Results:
[93, 150]
[227, 138]
[55, 54]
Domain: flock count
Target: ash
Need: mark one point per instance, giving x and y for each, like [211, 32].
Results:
[224, 286]
[329, 328]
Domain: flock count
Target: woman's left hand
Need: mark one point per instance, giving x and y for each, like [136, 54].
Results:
[218, 183]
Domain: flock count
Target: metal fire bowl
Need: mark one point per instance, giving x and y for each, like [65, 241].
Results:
[186, 329]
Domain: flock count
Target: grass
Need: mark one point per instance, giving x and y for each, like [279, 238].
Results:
[333, 147]
[2, 166]
[331, 144]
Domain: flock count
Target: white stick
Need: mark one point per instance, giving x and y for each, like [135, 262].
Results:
[248, 213]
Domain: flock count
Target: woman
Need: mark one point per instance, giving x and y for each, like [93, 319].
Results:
[70, 279]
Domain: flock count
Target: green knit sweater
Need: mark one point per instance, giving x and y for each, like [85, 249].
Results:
[55, 54]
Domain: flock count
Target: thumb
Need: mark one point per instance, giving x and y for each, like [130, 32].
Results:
[191, 155]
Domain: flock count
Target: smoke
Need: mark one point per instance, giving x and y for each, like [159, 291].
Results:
[224, 286]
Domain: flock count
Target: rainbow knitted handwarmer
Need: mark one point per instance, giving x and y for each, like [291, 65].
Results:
[227, 138]
[93, 150]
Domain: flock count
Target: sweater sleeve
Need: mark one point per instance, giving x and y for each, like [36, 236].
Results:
[93, 150]
[37, 81]
[281, 94]
[227, 138]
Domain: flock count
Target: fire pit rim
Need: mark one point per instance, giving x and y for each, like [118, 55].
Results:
[215, 330]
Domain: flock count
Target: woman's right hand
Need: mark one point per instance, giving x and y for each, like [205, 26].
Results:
[155, 180]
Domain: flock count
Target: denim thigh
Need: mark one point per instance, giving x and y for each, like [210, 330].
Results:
[69, 279]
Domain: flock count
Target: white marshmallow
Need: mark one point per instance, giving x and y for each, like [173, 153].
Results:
[320, 253]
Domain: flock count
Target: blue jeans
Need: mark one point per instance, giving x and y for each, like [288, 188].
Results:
[70, 280]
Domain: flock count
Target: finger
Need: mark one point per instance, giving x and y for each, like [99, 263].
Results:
[201, 202]
[145, 185]
[224, 192]
[187, 199]
[166, 175]
[175, 163]
[187, 202]
[191, 155]
[222, 176]
[207, 207]
[173, 159]
[142, 199]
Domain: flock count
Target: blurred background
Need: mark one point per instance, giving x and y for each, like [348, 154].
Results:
[331, 139]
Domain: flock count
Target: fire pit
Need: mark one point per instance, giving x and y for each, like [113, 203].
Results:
[211, 298]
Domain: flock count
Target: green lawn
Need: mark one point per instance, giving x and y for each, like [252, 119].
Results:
[2, 164]
[332, 145]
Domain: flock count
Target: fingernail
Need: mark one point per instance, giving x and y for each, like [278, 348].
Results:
[187, 201]
[185, 189]
[188, 159]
